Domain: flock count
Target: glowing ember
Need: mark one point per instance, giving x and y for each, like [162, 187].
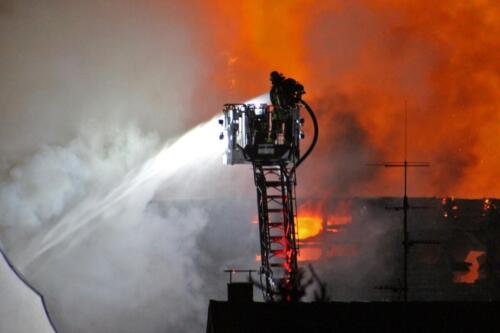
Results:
[450, 208]
[472, 275]
[309, 225]
[486, 204]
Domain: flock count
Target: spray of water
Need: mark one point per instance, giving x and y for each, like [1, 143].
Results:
[197, 148]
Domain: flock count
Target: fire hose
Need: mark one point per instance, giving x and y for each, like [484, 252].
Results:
[315, 137]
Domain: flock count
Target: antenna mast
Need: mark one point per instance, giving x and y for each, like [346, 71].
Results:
[407, 243]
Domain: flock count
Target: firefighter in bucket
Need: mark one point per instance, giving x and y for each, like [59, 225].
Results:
[285, 94]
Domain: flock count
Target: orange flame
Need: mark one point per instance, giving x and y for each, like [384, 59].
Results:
[472, 275]
[365, 58]
[309, 225]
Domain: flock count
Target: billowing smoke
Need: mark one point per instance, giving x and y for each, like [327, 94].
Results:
[341, 158]
[81, 215]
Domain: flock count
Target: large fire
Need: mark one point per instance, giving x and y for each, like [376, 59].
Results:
[360, 61]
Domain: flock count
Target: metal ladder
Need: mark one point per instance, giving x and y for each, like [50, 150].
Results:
[278, 229]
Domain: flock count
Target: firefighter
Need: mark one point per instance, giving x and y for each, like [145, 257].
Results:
[277, 91]
[285, 94]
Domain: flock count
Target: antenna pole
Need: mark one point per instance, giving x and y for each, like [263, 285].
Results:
[405, 207]
[406, 130]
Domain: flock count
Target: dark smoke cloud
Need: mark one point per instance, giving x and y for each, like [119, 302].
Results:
[375, 260]
[338, 166]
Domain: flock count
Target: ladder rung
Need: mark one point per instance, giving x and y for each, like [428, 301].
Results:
[275, 183]
[274, 196]
[278, 252]
[277, 264]
[275, 210]
[276, 224]
[276, 238]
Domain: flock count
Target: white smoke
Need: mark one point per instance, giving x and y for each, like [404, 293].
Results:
[41, 187]
[82, 214]
[128, 197]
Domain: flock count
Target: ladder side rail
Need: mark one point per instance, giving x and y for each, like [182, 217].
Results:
[289, 211]
[295, 210]
[263, 229]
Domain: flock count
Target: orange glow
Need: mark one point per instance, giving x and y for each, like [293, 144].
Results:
[365, 59]
[309, 254]
[473, 274]
[309, 225]
[339, 219]
[341, 215]
[341, 250]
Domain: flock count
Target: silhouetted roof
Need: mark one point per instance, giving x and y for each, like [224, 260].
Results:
[350, 317]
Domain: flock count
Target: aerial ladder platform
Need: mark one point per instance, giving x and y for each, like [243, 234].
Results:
[267, 136]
